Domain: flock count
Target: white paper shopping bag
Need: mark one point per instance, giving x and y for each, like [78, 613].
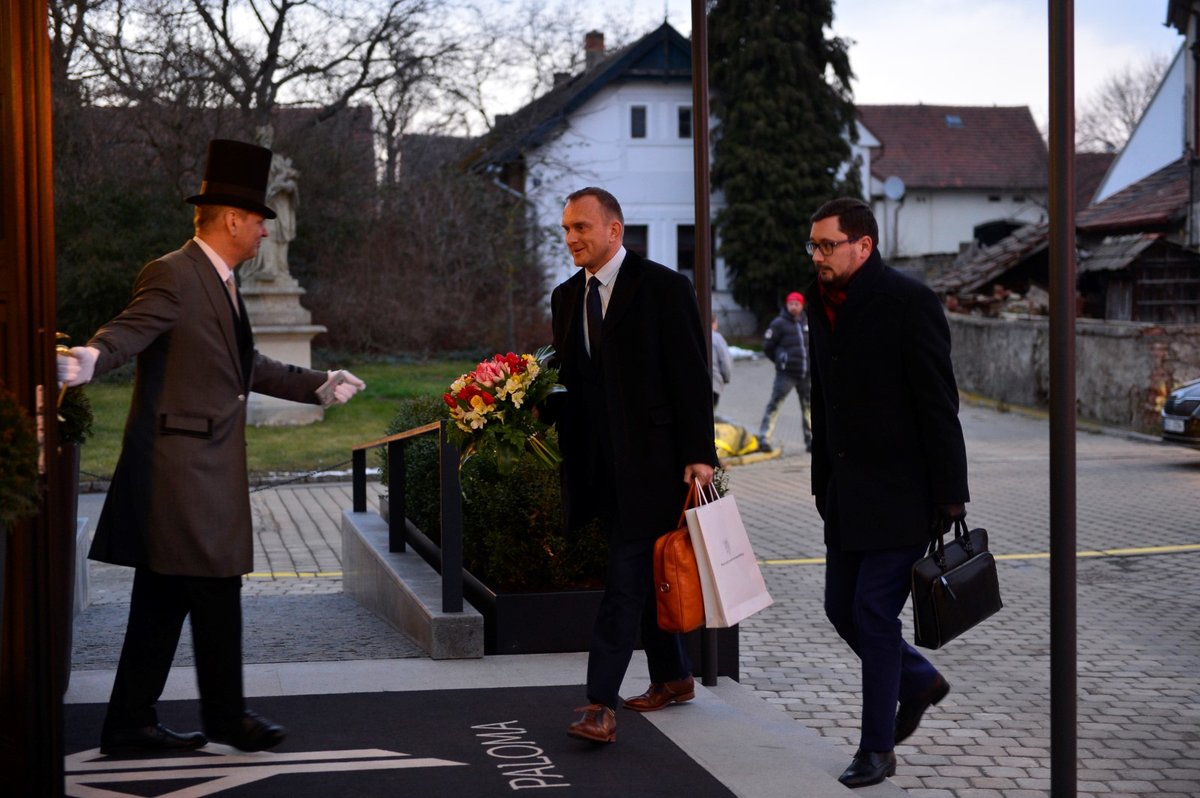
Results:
[729, 574]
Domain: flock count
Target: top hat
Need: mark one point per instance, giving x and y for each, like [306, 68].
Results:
[236, 174]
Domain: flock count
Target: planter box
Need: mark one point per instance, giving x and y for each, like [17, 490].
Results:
[549, 623]
[533, 623]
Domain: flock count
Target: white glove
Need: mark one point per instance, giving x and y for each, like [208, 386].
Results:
[77, 367]
[339, 388]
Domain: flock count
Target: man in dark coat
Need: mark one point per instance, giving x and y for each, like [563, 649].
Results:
[889, 464]
[636, 427]
[785, 343]
[178, 510]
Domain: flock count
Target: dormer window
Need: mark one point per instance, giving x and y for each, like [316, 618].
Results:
[637, 122]
[954, 120]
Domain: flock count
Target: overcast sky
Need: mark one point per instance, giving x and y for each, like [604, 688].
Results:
[975, 52]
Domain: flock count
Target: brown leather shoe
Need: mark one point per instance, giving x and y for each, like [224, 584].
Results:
[662, 693]
[598, 724]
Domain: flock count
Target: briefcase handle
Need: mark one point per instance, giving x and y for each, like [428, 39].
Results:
[937, 546]
[692, 499]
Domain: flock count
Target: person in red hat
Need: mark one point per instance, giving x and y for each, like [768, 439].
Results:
[178, 509]
[785, 343]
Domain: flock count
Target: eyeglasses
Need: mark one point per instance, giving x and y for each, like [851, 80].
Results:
[827, 247]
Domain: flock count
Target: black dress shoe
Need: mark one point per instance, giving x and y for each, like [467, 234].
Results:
[908, 717]
[869, 767]
[254, 733]
[156, 739]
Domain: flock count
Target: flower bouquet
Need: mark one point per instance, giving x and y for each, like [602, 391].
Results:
[493, 410]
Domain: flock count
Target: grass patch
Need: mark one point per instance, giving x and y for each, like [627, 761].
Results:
[286, 449]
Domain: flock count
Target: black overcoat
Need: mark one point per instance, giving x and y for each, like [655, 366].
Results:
[887, 443]
[657, 395]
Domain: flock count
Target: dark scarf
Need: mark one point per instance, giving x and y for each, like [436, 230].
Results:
[832, 300]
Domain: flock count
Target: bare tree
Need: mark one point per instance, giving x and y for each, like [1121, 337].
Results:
[513, 54]
[249, 54]
[1108, 118]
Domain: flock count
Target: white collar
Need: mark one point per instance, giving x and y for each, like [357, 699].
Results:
[608, 272]
[223, 270]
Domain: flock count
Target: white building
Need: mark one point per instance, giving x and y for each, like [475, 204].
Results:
[940, 171]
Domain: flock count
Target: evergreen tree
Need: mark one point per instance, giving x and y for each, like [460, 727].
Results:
[781, 94]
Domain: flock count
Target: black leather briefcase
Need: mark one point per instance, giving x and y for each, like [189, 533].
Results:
[954, 587]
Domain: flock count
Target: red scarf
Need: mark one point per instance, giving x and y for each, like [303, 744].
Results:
[832, 299]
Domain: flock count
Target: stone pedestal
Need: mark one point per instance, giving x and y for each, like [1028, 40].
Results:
[283, 330]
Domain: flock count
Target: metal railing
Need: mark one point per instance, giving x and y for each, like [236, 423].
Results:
[450, 559]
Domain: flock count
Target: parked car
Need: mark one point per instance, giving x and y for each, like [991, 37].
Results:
[1181, 415]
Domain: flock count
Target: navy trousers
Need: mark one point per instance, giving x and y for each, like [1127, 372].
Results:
[865, 591]
[628, 607]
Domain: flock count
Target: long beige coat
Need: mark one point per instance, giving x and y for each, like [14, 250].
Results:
[179, 501]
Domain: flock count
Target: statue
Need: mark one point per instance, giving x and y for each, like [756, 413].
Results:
[270, 264]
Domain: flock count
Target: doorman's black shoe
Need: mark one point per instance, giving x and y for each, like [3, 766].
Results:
[253, 733]
[156, 739]
[869, 767]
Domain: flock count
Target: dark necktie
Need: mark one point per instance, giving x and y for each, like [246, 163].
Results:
[595, 315]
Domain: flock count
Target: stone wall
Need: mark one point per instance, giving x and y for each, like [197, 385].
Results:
[1124, 370]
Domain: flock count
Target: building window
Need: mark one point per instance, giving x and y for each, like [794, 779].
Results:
[685, 249]
[993, 197]
[637, 122]
[954, 120]
[1018, 197]
[685, 122]
[637, 239]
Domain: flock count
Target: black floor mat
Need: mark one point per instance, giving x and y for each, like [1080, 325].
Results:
[457, 743]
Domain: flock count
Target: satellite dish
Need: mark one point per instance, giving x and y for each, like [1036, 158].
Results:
[893, 188]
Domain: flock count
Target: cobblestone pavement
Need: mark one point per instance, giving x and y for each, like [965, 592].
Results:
[293, 607]
[1138, 609]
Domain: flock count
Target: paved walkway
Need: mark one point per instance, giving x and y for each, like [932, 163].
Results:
[1138, 589]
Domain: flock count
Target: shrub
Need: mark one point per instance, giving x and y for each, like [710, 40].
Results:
[514, 537]
[75, 416]
[19, 488]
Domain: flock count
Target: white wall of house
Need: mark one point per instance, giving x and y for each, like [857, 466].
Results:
[940, 221]
[1158, 138]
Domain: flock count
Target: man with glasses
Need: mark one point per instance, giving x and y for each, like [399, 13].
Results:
[889, 464]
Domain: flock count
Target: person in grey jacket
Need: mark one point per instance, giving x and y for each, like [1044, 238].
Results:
[722, 363]
[785, 343]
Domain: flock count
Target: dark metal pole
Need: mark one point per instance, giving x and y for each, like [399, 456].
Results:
[702, 266]
[358, 480]
[1063, 740]
[452, 524]
[397, 511]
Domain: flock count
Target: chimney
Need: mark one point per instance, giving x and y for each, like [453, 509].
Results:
[593, 48]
